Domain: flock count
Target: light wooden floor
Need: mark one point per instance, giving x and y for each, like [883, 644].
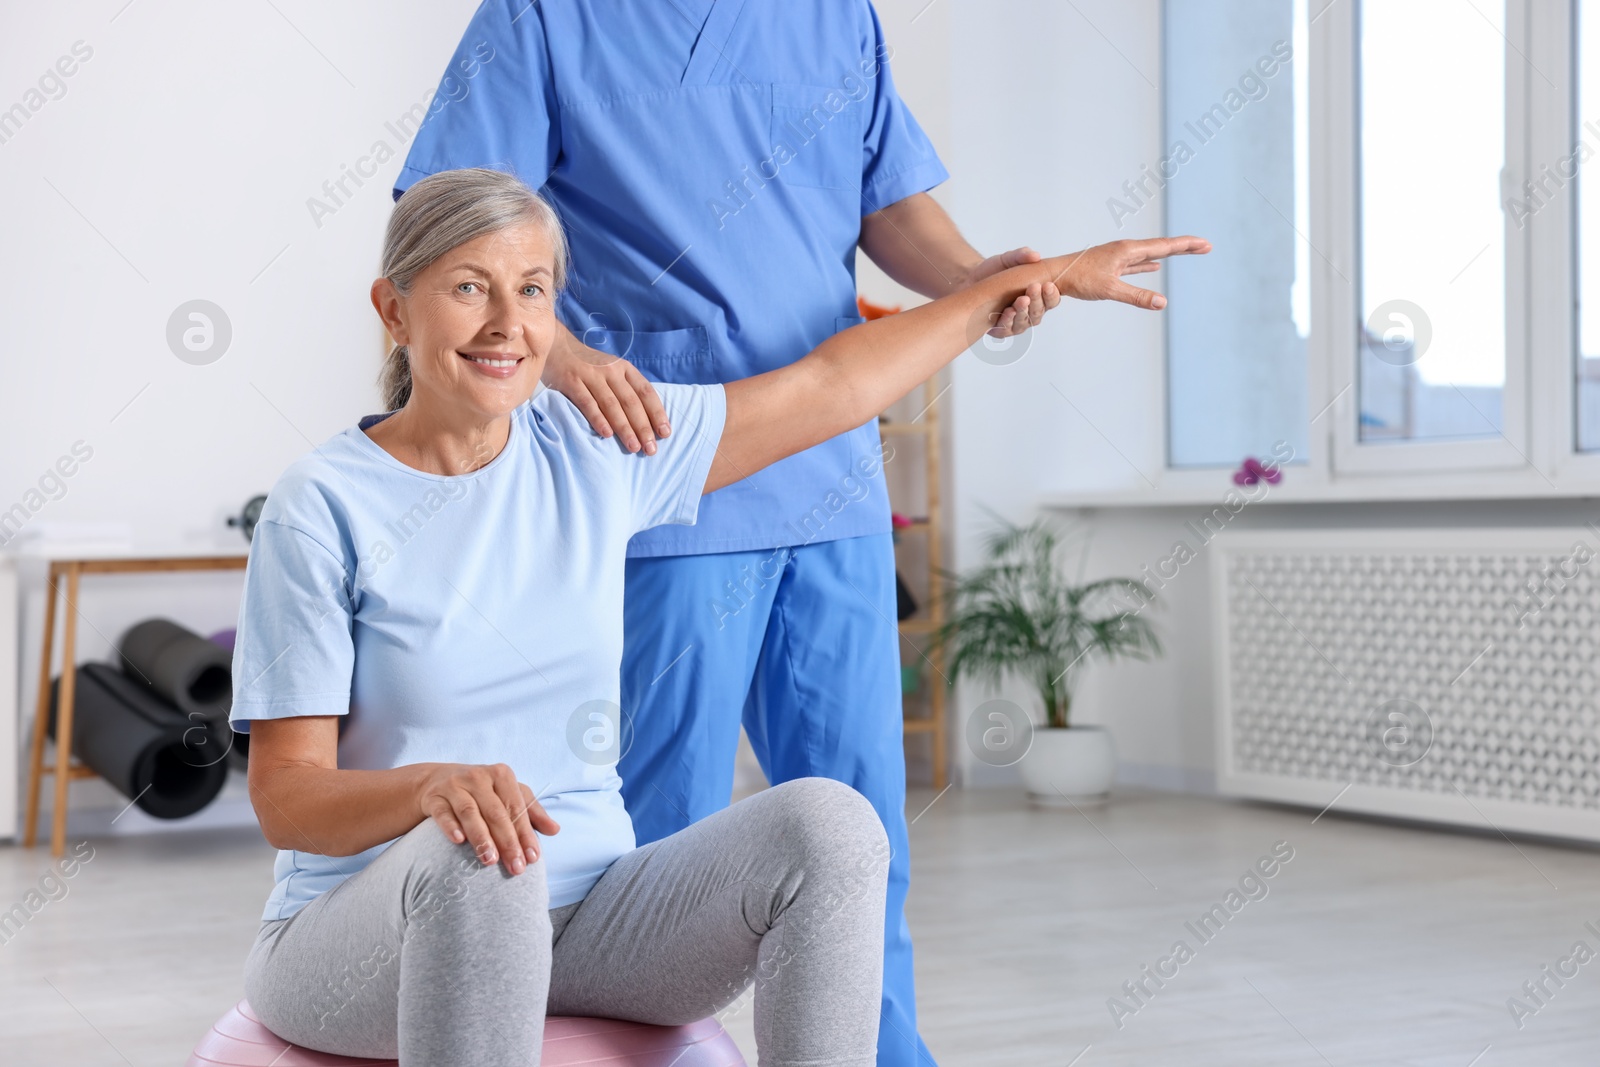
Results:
[1376, 944]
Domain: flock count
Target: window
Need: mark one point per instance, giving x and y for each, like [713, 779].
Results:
[1234, 169]
[1380, 295]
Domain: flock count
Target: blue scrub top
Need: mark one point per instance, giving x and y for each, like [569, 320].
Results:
[712, 163]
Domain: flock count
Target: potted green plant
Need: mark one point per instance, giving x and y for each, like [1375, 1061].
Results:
[1021, 613]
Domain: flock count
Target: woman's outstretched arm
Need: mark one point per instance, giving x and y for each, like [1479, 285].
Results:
[855, 374]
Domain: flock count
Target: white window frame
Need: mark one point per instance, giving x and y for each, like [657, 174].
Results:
[1553, 239]
[1536, 455]
[1339, 141]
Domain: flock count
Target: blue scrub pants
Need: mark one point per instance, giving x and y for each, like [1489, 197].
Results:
[802, 643]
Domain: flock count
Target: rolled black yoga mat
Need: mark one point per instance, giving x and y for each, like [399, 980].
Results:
[193, 674]
[170, 764]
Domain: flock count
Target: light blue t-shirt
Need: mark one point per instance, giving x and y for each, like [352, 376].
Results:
[471, 618]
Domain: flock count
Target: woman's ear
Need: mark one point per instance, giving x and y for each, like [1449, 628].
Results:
[386, 299]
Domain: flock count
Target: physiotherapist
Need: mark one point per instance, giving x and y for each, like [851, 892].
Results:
[716, 165]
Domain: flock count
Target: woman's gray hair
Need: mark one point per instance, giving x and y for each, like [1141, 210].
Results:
[444, 211]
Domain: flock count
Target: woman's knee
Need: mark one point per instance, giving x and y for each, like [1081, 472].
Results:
[833, 824]
[444, 878]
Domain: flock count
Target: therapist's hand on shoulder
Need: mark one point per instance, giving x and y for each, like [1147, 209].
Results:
[485, 805]
[610, 392]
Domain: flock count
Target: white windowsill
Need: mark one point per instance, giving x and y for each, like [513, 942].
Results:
[1183, 488]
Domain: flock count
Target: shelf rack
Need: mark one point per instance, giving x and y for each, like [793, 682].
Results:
[931, 616]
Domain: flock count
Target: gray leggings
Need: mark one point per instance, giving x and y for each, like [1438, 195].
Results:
[428, 956]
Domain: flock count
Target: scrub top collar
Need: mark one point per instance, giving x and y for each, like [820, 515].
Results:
[693, 11]
[710, 47]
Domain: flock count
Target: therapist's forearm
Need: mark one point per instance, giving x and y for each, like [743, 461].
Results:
[334, 812]
[916, 242]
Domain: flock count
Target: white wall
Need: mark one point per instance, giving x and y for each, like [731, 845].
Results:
[1052, 107]
[1041, 110]
[176, 164]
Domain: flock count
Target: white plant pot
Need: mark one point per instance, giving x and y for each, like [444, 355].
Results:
[1069, 767]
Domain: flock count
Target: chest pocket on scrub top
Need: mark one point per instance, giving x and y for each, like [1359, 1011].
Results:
[823, 144]
[680, 357]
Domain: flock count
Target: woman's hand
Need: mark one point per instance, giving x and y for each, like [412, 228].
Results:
[610, 392]
[1096, 273]
[487, 806]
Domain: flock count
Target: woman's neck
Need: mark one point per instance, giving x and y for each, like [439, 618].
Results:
[438, 442]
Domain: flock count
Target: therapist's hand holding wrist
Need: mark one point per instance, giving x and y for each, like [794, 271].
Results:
[485, 805]
[1027, 311]
[610, 392]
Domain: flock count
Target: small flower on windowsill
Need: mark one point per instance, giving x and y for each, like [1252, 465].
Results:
[1252, 471]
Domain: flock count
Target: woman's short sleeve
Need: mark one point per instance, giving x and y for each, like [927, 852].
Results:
[666, 487]
[293, 654]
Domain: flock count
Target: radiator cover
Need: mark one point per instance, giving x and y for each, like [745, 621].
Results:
[1448, 675]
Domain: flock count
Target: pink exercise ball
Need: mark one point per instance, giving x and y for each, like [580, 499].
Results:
[240, 1040]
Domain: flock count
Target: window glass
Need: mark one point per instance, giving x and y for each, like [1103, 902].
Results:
[1432, 90]
[1233, 169]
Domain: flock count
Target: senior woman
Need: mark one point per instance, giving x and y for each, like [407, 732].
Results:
[428, 666]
